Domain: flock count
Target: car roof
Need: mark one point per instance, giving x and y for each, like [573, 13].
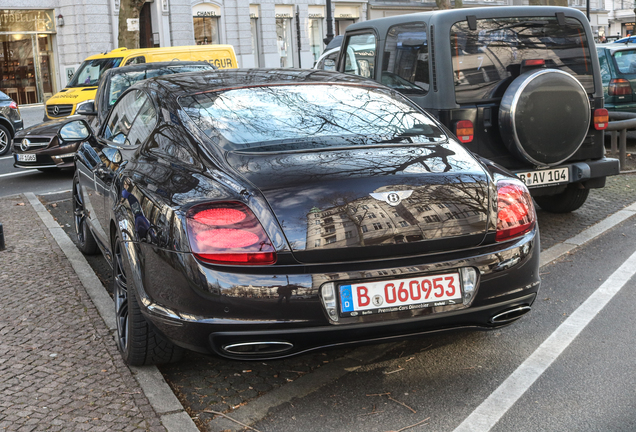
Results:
[451, 16]
[157, 65]
[614, 47]
[197, 82]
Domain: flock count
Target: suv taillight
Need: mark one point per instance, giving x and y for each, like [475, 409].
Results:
[515, 210]
[619, 87]
[464, 131]
[228, 233]
[601, 118]
[13, 105]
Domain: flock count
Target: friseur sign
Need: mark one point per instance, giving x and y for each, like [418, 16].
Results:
[15, 20]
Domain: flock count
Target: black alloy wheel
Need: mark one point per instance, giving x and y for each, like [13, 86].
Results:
[85, 241]
[138, 341]
[5, 140]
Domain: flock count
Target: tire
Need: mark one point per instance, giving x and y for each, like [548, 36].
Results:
[567, 201]
[85, 241]
[5, 140]
[544, 116]
[139, 343]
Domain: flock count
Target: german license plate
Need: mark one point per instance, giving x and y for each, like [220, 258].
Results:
[545, 177]
[26, 157]
[400, 294]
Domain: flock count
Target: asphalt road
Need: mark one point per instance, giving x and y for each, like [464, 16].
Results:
[14, 180]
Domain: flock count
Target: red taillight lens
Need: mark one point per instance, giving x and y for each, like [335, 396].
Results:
[601, 118]
[619, 87]
[515, 211]
[533, 62]
[228, 233]
[464, 131]
[13, 105]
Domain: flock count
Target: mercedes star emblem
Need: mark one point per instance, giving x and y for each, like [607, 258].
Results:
[24, 145]
[56, 110]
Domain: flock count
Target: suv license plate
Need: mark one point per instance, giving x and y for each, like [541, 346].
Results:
[400, 294]
[26, 157]
[544, 177]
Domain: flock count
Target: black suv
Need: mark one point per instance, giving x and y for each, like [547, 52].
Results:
[520, 86]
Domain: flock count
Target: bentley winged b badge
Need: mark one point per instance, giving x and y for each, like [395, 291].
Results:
[392, 198]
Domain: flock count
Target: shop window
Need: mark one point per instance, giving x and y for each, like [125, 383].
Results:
[284, 42]
[206, 30]
[255, 42]
[315, 38]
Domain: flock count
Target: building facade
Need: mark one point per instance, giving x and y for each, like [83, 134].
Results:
[42, 42]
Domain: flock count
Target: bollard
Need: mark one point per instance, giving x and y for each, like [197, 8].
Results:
[1, 237]
[622, 149]
[614, 145]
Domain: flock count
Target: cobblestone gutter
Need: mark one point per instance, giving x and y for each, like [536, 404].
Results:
[59, 367]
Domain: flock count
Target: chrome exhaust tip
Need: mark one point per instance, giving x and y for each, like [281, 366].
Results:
[510, 315]
[251, 348]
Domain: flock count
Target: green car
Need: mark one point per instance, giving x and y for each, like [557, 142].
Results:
[618, 74]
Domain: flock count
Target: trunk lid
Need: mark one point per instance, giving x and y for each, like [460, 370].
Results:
[369, 203]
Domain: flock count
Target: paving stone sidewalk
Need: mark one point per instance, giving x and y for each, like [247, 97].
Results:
[59, 367]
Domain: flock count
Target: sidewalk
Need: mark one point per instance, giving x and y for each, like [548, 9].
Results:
[59, 367]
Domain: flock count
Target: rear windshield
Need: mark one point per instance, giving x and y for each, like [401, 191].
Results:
[120, 82]
[295, 117]
[626, 61]
[486, 59]
[89, 72]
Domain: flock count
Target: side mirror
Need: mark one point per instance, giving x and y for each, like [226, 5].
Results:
[77, 130]
[113, 155]
[86, 109]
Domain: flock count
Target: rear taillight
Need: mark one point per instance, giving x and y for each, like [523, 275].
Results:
[601, 118]
[228, 233]
[619, 87]
[13, 105]
[515, 211]
[533, 63]
[464, 131]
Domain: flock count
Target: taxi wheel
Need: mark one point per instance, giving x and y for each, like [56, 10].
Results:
[139, 343]
[85, 241]
[5, 140]
[567, 201]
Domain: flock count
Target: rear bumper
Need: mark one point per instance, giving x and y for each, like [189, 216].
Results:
[591, 174]
[218, 309]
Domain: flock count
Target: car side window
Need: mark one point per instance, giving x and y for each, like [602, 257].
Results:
[136, 60]
[121, 118]
[605, 72]
[328, 62]
[143, 125]
[405, 60]
[360, 55]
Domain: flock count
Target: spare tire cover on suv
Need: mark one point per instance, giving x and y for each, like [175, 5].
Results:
[544, 116]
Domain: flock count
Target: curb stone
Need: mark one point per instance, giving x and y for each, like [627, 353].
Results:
[161, 397]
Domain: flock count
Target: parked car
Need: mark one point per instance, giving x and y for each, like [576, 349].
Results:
[618, 74]
[625, 40]
[258, 214]
[327, 60]
[80, 90]
[10, 122]
[39, 146]
[518, 85]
